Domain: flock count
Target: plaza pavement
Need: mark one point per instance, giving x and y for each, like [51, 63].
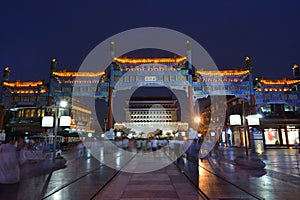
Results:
[279, 180]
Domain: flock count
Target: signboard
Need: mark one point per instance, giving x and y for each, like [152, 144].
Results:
[65, 121]
[235, 120]
[150, 78]
[253, 120]
[47, 121]
[257, 135]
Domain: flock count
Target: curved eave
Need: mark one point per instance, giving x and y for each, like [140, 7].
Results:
[19, 84]
[279, 82]
[222, 72]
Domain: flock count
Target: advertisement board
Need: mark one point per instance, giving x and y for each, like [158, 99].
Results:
[235, 120]
[65, 121]
[47, 121]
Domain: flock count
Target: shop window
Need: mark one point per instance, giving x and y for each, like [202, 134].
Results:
[266, 108]
[32, 98]
[293, 136]
[287, 108]
[271, 136]
[27, 113]
[42, 98]
[16, 99]
[42, 112]
[25, 99]
[32, 112]
[20, 113]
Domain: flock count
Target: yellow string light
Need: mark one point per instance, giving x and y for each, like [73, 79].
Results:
[81, 81]
[149, 60]
[29, 91]
[279, 82]
[78, 74]
[223, 72]
[23, 84]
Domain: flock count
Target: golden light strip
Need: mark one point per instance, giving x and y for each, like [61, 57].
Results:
[78, 74]
[81, 81]
[275, 89]
[23, 84]
[29, 91]
[279, 82]
[149, 60]
[222, 80]
[81, 109]
[223, 72]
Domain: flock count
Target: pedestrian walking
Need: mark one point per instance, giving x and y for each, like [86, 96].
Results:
[154, 143]
[9, 165]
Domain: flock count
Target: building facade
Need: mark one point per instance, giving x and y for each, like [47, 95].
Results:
[149, 114]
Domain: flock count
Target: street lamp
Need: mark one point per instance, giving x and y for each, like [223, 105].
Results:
[62, 104]
[197, 121]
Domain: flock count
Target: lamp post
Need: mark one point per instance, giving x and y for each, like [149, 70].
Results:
[62, 104]
[244, 126]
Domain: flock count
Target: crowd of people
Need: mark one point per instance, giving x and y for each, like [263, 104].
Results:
[12, 151]
[16, 153]
[141, 144]
[191, 149]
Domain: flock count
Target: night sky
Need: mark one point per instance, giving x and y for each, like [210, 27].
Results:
[33, 32]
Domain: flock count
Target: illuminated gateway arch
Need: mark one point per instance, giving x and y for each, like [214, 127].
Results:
[174, 73]
[125, 74]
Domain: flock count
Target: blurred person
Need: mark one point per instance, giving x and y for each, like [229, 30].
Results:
[125, 143]
[138, 145]
[144, 145]
[9, 165]
[130, 144]
[154, 144]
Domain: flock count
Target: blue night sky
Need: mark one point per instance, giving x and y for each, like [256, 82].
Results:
[33, 32]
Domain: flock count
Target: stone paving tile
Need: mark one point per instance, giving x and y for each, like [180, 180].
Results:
[153, 182]
[176, 179]
[115, 189]
[190, 197]
[150, 187]
[172, 172]
[149, 194]
[156, 185]
[185, 188]
[150, 177]
[150, 199]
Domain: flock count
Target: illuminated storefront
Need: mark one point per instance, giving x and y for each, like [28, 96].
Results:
[272, 137]
[281, 133]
